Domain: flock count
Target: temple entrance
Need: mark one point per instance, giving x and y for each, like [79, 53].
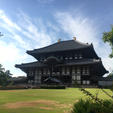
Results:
[50, 80]
[53, 78]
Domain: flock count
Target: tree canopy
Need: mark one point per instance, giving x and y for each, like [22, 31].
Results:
[108, 37]
[4, 76]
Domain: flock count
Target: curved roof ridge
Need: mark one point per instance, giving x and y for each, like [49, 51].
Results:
[82, 42]
[27, 63]
[43, 47]
[61, 46]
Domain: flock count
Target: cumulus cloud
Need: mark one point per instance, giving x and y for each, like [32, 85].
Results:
[85, 30]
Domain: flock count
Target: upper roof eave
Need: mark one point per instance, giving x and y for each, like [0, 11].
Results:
[38, 64]
[31, 64]
[60, 46]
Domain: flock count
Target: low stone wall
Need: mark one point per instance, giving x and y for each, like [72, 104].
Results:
[33, 87]
[105, 83]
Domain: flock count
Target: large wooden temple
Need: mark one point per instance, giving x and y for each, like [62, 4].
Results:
[64, 62]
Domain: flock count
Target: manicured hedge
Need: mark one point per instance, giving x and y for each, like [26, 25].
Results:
[33, 87]
[12, 87]
[53, 87]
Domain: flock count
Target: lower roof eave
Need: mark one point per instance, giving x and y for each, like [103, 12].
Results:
[75, 64]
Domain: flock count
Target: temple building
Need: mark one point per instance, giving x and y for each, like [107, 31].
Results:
[64, 62]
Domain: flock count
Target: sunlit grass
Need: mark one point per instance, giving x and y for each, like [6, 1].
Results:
[65, 97]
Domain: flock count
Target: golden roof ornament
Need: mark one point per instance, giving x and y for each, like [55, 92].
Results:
[74, 38]
[59, 40]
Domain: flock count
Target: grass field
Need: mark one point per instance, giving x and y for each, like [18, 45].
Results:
[42, 100]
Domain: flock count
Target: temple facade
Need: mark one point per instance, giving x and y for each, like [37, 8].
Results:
[65, 62]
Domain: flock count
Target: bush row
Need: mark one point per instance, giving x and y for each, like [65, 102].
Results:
[89, 106]
[33, 87]
[53, 87]
[12, 87]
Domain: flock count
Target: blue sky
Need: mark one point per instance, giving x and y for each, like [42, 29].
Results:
[31, 24]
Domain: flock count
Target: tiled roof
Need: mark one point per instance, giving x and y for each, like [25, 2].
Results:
[60, 46]
[31, 64]
[83, 62]
[77, 62]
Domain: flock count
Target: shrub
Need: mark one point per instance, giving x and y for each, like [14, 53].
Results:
[52, 87]
[89, 106]
[12, 87]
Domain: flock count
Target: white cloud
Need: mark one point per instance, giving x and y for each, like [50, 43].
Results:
[15, 36]
[26, 35]
[8, 21]
[82, 28]
[29, 34]
[9, 54]
[12, 28]
[53, 27]
[8, 51]
[34, 32]
[25, 26]
[86, 31]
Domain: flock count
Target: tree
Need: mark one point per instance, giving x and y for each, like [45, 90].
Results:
[108, 37]
[1, 68]
[4, 76]
[111, 74]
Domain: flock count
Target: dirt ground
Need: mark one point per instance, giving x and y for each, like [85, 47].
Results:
[42, 104]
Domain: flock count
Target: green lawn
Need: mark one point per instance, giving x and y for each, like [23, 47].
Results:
[42, 100]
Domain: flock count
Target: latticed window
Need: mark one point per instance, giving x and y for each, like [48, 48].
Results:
[58, 73]
[75, 56]
[38, 77]
[44, 71]
[80, 56]
[40, 71]
[70, 58]
[78, 82]
[61, 58]
[53, 73]
[31, 73]
[67, 70]
[73, 77]
[78, 77]
[74, 70]
[66, 58]
[36, 72]
[48, 72]
[63, 70]
[86, 82]
[78, 70]
[28, 73]
[85, 71]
